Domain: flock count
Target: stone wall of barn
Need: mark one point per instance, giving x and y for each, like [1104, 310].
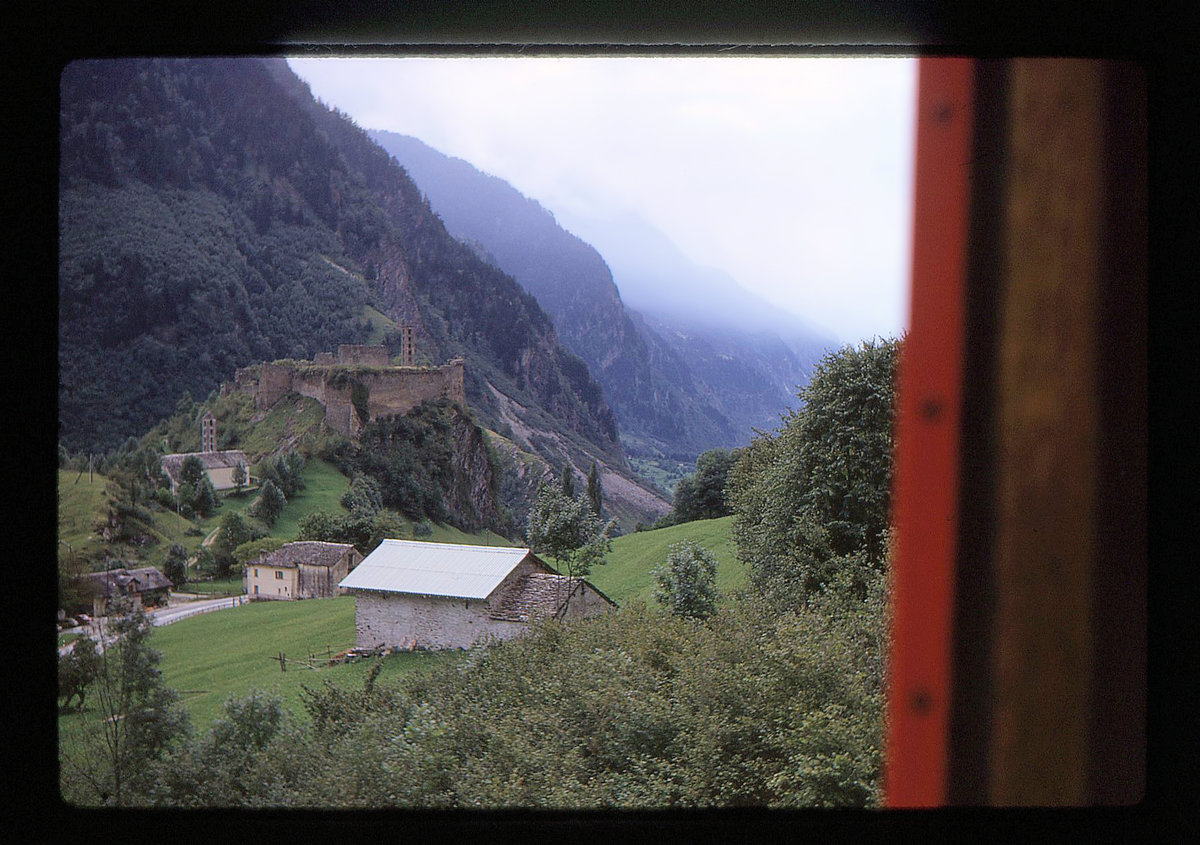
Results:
[585, 603]
[405, 621]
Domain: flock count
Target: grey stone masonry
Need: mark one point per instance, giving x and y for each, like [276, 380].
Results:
[406, 621]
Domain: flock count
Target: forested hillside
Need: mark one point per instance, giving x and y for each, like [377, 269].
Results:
[213, 215]
[678, 387]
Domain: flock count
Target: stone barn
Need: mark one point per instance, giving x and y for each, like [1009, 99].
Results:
[409, 594]
[307, 569]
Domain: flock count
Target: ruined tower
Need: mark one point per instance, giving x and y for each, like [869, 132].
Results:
[407, 350]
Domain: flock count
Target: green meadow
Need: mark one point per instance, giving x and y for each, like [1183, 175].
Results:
[627, 574]
[208, 657]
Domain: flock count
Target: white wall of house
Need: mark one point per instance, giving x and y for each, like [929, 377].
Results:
[270, 582]
[403, 620]
[222, 478]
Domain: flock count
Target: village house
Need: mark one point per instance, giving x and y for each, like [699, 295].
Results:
[410, 594]
[146, 586]
[220, 466]
[303, 570]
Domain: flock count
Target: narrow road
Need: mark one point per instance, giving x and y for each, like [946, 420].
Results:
[164, 616]
[167, 615]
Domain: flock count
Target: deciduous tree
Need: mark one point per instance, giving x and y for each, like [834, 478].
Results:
[175, 565]
[76, 671]
[191, 470]
[139, 718]
[566, 529]
[687, 583]
[205, 503]
[813, 499]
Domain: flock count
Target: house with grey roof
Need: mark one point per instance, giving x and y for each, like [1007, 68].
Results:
[145, 585]
[410, 594]
[307, 569]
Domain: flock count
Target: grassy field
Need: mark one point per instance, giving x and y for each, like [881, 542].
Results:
[381, 324]
[81, 506]
[65, 638]
[232, 586]
[663, 472]
[626, 575]
[323, 490]
[288, 421]
[210, 656]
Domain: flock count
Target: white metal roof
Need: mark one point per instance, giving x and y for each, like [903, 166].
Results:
[434, 569]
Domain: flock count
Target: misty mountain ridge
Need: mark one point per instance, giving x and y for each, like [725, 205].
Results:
[212, 215]
[701, 364]
[656, 278]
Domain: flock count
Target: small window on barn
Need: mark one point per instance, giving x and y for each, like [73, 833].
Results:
[256, 573]
[278, 574]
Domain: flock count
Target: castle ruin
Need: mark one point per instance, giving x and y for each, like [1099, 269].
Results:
[332, 380]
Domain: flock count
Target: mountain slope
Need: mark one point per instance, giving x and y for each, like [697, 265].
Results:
[212, 215]
[648, 385]
[679, 385]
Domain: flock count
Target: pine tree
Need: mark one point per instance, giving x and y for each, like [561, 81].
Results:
[270, 503]
[594, 491]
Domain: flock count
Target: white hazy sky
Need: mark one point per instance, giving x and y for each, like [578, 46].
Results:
[793, 175]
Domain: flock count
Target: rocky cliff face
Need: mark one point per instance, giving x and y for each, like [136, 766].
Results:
[475, 501]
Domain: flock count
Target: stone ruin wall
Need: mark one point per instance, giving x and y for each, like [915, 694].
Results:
[274, 382]
[392, 390]
[400, 391]
[352, 355]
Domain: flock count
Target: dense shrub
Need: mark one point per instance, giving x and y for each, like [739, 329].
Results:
[633, 709]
